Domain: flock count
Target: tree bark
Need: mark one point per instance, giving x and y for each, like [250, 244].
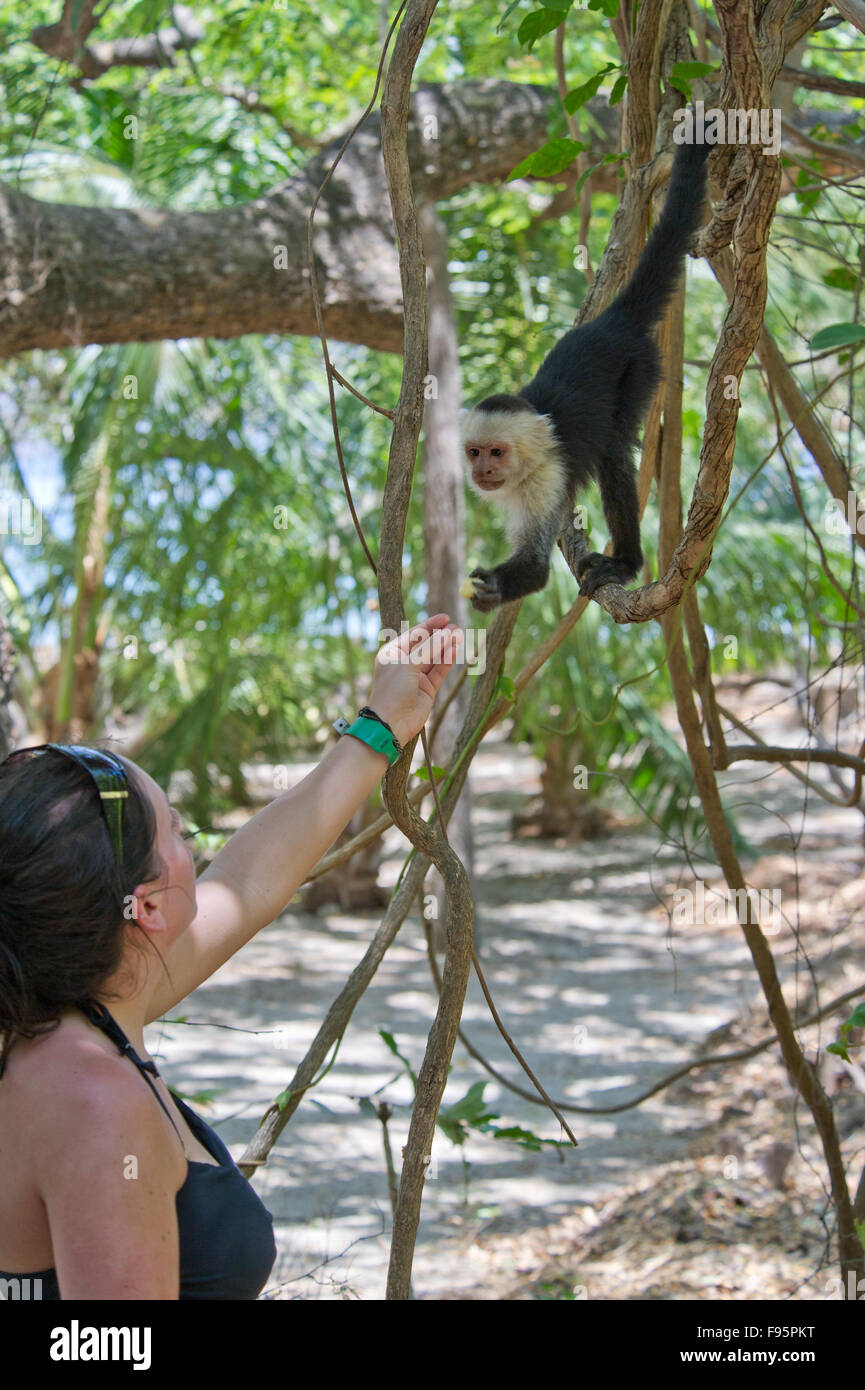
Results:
[75, 275]
[429, 839]
[444, 528]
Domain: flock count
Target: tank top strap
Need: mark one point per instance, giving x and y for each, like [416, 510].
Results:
[102, 1019]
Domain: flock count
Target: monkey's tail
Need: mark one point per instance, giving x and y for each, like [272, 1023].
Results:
[651, 287]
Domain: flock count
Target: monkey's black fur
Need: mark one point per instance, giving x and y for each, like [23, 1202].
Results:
[596, 386]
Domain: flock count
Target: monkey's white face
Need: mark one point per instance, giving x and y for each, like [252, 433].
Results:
[505, 450]
[491, 463]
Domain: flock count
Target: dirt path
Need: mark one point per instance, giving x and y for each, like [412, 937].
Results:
[686, 1196]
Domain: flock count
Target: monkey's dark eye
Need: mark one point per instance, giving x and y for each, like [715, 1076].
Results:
[473, 453]
[496, 453]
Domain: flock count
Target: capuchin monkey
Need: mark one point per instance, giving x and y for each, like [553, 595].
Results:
[578, 418]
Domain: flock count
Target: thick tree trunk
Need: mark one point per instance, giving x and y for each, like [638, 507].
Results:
[75, 275]
[444, 529]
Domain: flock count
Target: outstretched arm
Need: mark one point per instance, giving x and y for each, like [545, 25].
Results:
[264, 863]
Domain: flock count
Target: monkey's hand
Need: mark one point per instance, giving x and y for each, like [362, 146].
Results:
[595, 570]
[487, 593]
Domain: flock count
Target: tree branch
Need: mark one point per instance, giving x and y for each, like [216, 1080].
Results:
[737, 753]
[74, 275]
[854, 10]
[67, 40]
[71, 275]
[429, 838]
[821, 81]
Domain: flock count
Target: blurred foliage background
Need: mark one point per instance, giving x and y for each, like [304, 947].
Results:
[217, 636]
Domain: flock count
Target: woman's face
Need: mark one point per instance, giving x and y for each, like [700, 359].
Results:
[174, 891]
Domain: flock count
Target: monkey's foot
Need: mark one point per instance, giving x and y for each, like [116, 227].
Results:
[596, 570]
[487, 594]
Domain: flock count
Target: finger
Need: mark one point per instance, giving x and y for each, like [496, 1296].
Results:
[427, 652]
[422, 630]
[408, 640]
[441, 655]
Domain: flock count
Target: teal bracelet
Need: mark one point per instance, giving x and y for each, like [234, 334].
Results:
[370, 731]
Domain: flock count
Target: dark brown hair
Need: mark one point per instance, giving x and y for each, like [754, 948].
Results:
[62, 892]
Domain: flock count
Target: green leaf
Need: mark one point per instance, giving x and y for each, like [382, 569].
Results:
[538, 23]
[505, 686]
[692, 69]
[550, 159]
[684, 73]
[423, 772]
[619, 86]
[471, 1107]
[390, 1041]
[580, 95]
[607, 159]
[514, 5]
[681, 84]
[608, 7]
[523, 1137]
[527, 1140]
[283, 1098]
[840, 1050]
[841, 278]
[857, 1018]
[806, 197]
[453, 1130]
[469, 1113]
[838, 335]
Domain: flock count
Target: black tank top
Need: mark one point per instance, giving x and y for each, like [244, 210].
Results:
[227, 1247]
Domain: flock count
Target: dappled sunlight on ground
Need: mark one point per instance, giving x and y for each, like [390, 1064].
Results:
[604, 997]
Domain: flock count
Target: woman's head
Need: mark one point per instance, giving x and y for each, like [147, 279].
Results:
[68, 909]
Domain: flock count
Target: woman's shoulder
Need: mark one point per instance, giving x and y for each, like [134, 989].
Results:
[67, 1090]
[63, 1056]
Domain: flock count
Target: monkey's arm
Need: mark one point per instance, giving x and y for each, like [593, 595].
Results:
[527, 570]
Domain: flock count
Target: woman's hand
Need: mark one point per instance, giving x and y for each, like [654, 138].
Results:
[408, 672]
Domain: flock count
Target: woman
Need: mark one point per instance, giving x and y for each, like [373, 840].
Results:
[109, 1187]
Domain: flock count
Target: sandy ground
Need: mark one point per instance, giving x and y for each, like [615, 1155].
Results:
[687, 1196]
